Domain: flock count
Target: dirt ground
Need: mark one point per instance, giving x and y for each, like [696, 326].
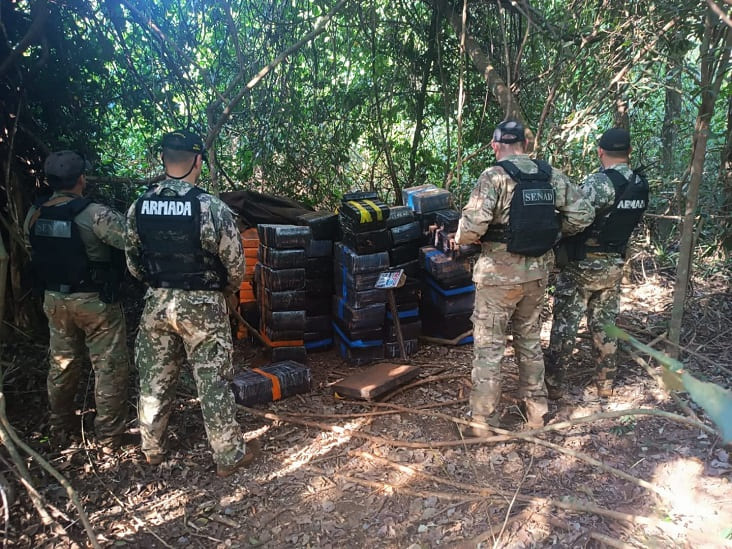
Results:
[396, 474]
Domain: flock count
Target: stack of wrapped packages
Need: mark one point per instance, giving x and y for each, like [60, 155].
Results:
[281, 292]
[447, 291]
[324, 230]
[359, 309]
[405, 235]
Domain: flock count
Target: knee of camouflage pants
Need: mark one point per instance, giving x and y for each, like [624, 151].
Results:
[486, 377]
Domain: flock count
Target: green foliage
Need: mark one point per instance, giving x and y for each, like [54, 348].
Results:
[715, 400]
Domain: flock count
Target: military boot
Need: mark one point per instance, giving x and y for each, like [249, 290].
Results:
[480, 431]
[534, 410]
[604, 388]
[252, 451]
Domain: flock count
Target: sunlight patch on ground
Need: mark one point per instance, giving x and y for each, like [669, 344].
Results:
[321, 445]
[694, 498]
[652, 294]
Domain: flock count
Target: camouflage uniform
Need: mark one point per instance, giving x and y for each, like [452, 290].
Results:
[178, 324]
[592, 287]
[510, 287]
[80, 323]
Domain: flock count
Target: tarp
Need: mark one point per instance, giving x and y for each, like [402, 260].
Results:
[254, 208]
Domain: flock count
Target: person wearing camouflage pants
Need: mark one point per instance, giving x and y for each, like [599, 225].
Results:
[510, 287]
[81, 320]
[591, 286]
[185, 245]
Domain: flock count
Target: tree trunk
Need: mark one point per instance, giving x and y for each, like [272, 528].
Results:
[496, 84]
[672, 111]
[419, 107]
[725, 178]
[714, 57]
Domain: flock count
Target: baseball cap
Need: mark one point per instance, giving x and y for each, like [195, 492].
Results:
[509, 131]
[615, 139]
[183, 140]
[65, 165]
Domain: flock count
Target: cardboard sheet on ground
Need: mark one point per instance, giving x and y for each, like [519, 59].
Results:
[375, 381]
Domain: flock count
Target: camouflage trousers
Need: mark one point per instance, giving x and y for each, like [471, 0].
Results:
[193, 325]
[590, 287]
[81, 325]
[495, 306]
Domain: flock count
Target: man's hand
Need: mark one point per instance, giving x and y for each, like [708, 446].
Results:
[232, 301]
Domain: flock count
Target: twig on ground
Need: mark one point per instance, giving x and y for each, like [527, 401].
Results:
[8, 431]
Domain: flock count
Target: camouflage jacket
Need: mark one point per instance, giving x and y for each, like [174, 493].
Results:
[490, 203]
[600, 191]
[99, 227]
[219, 236]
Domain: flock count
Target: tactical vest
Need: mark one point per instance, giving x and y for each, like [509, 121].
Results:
[170, 233]
[533, 224]
[58, 255]
[611, 230]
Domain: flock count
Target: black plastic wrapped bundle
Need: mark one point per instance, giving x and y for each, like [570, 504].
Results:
[363, 298]
[319, 286]
[448, 272]
[281, 259]
[411, 329]
[367, 242]
[284, 236]
[360, 195]
[448, 302]
[285, 320]
[404, 253]
[363, 215]
[410, 268]
[284, 301]
[411, 232]
[280, 280]
[317, 267]
[360, 263]
[447, 220]
[371, 316]
[344, 280]
[258, 387]
[435, 324]
[319, 248]
[399, 215]
[323, 225]
[371, 335]
[430, 200]
[317, 304]
[427, 219]
[409, 192]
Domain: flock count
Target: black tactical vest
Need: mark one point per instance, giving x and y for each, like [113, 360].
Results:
[58, 255]
[172, 255]
[611, 230]
[533, 224]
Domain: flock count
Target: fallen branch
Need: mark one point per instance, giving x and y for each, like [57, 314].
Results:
[8, 433]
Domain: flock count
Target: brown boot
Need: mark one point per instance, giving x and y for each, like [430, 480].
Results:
[534, 411]
[252, 451]
[554, 392]
[480, 431]
[604, 388]
[155, 459]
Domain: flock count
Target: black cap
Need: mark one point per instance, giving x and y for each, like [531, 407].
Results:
[509, 131]
[183, 140]
[65, 165]
[615, 139]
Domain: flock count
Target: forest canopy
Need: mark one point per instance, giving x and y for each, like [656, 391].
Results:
[311, 98]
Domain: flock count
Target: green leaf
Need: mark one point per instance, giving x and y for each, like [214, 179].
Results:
[614, 331]
[671, 380]
[716, 401]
